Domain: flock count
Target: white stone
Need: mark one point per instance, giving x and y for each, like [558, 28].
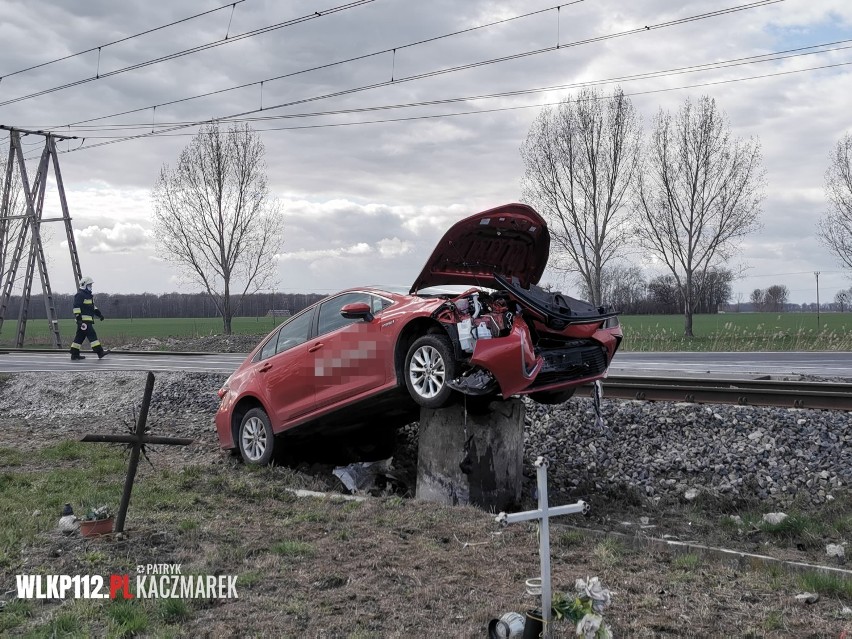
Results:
[69, 524]
[690, 494]
[835, 550]
[774, 518]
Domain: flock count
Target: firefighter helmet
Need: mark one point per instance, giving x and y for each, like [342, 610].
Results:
[86, 281]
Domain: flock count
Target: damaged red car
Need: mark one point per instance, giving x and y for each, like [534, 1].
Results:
[368, 356]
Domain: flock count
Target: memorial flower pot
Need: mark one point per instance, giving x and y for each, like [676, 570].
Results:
[95, 527]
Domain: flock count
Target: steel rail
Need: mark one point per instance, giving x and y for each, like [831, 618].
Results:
[745, 392]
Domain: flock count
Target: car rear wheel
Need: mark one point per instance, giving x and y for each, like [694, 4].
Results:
[552, 397]
[428, 366]
[256, 438]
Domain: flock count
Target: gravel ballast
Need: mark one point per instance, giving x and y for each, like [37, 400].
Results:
[654, 448]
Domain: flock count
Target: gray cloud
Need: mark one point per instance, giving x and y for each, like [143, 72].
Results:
[395, 187]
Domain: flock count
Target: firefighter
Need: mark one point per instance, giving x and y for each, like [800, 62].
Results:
[85, 313]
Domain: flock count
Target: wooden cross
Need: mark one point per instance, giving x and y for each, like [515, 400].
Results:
[138, 439]
[543, 514]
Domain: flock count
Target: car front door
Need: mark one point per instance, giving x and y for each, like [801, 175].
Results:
[351, 356]
[285, 371]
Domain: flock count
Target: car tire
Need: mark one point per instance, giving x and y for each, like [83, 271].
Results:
[255, 438]
[429, 364]
[552, 397]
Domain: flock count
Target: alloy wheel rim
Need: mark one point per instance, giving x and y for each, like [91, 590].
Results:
[254, 438]
[427, 371]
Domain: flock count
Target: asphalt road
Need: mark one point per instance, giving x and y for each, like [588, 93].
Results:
[719, 365]
[16, 362]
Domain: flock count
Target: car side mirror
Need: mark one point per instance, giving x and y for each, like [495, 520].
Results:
[357, 310]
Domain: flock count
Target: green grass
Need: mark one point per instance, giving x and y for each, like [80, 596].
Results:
[724, 332]
[116, 331]
[739, 332]
[688, 562]
[128, 618]
[93, 477]
[826, 584]
[289, 548]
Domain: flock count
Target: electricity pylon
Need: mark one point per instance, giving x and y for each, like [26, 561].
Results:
[31, 223]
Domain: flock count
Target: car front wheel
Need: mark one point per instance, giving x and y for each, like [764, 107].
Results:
[256, 438]
[428, 366]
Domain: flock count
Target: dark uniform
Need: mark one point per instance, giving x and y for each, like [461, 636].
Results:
[85, 313]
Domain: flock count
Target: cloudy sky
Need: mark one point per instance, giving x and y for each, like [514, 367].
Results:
[366, 194]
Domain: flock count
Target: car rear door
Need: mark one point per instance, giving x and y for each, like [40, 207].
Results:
[350, 356]
[284, 371]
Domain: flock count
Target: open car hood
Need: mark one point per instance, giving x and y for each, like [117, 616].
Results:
[511, 240]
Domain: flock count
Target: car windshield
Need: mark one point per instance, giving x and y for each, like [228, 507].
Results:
[449, 289]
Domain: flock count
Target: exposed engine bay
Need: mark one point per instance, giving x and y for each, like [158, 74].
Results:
[537, 321]
[478, 315]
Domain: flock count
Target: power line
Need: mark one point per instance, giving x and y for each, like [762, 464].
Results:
[710, 66]
[325, 66]
[451, 69]
[448, 70]
[168, 132]
[197, 49]
[120, 40]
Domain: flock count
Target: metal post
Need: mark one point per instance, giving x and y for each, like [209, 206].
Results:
[816, 273]
[544, 557]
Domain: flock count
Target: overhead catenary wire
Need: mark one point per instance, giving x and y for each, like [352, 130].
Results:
[196, 49]
[168, 132]
[324, 66]
[445, 71]
[634, 30]
[120, 40]
[664, 73]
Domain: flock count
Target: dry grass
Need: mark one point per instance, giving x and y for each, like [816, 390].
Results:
[388, 567]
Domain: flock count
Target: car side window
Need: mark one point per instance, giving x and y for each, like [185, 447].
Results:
[379, 304]
[292, 333]
[330, 318]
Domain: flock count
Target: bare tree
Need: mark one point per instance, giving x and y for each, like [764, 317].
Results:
[698, 193]
[775, 297]
[580, 160]
[758, 299]
[835, 229]
[843, 298]
[622, 286]
[214, 217]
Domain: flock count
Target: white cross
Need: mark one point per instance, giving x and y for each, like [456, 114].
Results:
[543, 514]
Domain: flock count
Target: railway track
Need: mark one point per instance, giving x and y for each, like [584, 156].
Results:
[757, 392]
[667, 386]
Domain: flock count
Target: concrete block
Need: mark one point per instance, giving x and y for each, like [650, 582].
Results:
[495, 456]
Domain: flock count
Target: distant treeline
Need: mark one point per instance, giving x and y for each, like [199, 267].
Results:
[120, 305]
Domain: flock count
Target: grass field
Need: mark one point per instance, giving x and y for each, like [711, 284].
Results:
[740, 332]
[726, 332]
[116, 331]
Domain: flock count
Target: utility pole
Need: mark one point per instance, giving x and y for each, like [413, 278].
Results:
[31, 222]
[816, 273]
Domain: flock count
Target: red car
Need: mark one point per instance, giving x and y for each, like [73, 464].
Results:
[374, 356]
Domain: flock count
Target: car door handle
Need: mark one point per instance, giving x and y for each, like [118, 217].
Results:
[265, 368]
[315, 347]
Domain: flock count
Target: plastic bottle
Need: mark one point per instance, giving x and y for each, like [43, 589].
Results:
[482, 332]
